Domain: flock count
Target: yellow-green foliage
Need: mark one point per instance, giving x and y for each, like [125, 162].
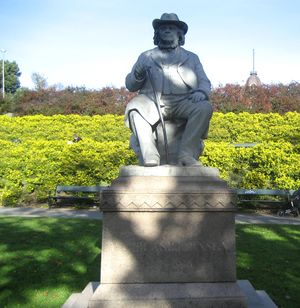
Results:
[259, 127]
[37, 152]
[266, 165]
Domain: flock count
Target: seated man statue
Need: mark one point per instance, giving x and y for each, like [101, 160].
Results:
[172, 86]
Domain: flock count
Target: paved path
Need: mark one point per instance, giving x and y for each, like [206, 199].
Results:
[266, 219]
[42, 212]
[95, 214]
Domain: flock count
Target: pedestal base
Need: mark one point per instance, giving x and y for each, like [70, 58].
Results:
[150, 295]
[168, 295]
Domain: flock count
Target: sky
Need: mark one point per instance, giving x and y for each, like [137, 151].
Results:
[94, 43]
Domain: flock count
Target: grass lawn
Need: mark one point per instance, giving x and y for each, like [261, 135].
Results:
[269, 256]
[44, 260]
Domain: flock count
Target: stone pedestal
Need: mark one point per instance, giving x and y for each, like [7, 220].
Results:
[168, 240]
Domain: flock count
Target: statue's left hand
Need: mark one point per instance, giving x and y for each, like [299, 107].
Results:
[198, 97]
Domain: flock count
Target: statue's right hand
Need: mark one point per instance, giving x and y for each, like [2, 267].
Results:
[140, 72]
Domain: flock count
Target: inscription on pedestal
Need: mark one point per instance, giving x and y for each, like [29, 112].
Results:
[168, 247]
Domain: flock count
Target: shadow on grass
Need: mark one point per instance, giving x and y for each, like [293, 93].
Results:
[268, 256]
[44, 260]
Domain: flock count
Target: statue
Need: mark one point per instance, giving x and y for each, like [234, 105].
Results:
[172, 106]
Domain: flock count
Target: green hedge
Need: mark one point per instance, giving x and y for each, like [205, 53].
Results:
[37, 152]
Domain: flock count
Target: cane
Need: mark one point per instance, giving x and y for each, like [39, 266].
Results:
[157, 104]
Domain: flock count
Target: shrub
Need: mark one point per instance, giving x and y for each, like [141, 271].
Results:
[72, 100]
[277, 98]
[266, 165]
[39, 152]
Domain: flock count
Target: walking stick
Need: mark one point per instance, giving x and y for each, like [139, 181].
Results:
[157, 104]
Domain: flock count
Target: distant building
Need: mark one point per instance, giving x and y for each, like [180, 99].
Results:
[253, 79]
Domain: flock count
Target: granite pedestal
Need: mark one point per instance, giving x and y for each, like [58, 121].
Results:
[168, 240]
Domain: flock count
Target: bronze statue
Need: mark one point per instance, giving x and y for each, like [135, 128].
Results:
[173, 88]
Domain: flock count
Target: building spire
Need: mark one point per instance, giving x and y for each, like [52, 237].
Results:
[253, 54]
[253, 80]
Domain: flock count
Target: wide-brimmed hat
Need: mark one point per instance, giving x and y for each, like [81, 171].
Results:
[170, 19]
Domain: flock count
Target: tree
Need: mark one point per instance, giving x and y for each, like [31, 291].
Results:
[11, 76]
[39, 81]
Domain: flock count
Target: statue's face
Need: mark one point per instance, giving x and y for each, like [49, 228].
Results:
[168, 32]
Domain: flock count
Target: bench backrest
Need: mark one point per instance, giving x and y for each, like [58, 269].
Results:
[76, 188]
[271, 192]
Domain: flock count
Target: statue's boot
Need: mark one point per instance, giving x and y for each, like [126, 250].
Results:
[187, 161]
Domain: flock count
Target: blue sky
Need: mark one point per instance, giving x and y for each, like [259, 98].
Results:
[95, 43]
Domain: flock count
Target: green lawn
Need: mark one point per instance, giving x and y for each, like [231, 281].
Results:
[269, 256]
[44, 260]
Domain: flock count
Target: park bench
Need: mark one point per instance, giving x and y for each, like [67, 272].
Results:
[266, 198]
[75, 195]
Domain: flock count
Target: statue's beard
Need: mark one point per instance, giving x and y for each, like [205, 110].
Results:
[165, 44]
